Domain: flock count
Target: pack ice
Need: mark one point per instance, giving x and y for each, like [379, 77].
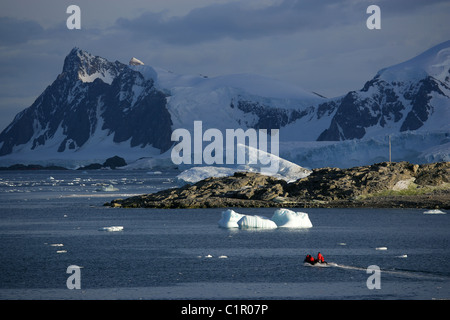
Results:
[282, 218]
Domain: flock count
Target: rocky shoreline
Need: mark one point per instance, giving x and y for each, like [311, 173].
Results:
[381, 185]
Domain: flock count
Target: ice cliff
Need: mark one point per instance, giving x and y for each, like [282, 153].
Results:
[282, 218]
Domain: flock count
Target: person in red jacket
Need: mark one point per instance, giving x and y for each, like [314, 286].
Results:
[309, 259]
[320, 257]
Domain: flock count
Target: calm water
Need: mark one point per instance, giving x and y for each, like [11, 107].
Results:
[50, 220]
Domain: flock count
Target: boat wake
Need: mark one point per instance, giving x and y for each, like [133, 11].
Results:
[402, 273]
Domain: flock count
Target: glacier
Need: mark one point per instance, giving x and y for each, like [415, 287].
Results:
[287, 170]
[282, 218]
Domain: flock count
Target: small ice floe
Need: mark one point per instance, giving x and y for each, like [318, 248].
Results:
[434, 211]
[342, 244]
[208, 256]
[154, 172]
[109, 188]
[381, 248]
[61, 251]
[50, 178]
[403, 256]
[56, 245]
[223, 257]
[111, 229]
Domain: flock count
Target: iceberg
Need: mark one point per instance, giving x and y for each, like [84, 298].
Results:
[285, 218]
[250, 222]
[434, 211]
[230, 219]
[282, 218]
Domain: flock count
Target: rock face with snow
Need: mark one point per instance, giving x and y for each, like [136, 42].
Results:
[409, 96]
[409, 101]
[100, 108]
[92, 101]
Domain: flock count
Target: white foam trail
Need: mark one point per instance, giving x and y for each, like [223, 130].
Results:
[409, 274]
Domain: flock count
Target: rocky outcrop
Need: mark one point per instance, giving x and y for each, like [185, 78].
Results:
[111, 163]
[380, 185]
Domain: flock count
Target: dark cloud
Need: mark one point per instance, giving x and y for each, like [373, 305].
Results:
[399, 7]
[14, 31]
[238, 21]
[322, 45]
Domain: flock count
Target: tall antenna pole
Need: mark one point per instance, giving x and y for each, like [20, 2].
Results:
[389, 148]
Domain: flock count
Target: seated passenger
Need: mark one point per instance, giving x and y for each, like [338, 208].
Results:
[320, 257]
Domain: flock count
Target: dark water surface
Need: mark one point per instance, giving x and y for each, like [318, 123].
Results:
[50, 220]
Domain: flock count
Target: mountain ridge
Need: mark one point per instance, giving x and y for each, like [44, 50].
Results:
[96, 108]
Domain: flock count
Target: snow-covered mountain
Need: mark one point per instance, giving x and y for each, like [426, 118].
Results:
[96, 109]
[92, 108]
[411, 96]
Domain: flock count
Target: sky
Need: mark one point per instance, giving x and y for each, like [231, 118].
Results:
[323, 46]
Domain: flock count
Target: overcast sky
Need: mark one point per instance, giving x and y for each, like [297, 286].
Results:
[322, 45]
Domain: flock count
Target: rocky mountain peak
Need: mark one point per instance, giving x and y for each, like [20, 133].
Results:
[89, 67]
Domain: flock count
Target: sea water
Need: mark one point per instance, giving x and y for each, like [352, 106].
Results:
[50, 220]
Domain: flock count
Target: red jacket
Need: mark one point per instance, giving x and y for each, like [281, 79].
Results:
[320, 257]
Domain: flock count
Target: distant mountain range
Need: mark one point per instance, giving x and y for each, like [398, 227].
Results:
[96, 109]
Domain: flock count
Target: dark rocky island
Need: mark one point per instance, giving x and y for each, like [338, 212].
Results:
[387, 184]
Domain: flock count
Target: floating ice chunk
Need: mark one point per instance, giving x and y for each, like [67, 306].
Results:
[281, 218]
[109, 188]
[111, 229]
[208, 256]
[289, 219]
[56, 245]
[61, 251]
[402, 256]
[223, 257]
[381, 248]
[247, 222]
[154, 172]
[434, 211]
[230, 219]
